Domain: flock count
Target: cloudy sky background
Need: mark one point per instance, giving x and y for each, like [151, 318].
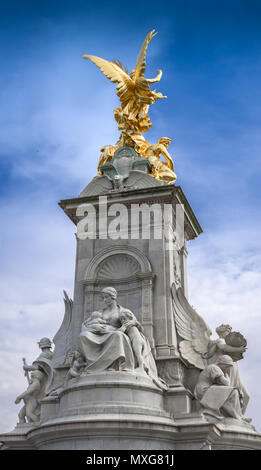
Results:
[57, 111]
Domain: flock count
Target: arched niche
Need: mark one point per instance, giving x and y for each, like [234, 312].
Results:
[129, 271]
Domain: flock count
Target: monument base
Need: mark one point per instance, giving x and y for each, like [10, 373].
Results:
[126, 410]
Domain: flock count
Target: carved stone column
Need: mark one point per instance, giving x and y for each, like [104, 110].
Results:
[184, 277]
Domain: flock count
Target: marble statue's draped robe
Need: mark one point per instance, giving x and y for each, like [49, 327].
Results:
[44, 364]
[210, 395]
[235, 380]
[112, 348]
[103, 350]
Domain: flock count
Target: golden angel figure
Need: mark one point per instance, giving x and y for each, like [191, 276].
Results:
[133, 89]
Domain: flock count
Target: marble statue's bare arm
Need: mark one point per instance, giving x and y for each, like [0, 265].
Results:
[226, 348]
[33, 387]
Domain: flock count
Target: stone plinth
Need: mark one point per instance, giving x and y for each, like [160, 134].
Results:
[121, 410]
[141, 269]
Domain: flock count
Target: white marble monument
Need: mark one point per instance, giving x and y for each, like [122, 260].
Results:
[133, 364]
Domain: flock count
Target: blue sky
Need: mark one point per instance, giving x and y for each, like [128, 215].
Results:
[57, 112]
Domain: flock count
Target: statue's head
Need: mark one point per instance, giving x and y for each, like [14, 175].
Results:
[109, 294]
[223, 330]
[77, 354]
[107, 150]
[224, 362]
[45, 343]
[166, 141]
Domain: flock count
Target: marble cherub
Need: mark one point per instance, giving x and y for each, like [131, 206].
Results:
[77, 365]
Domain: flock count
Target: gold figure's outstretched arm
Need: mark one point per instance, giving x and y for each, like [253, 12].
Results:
[156, 79]
[115, 73]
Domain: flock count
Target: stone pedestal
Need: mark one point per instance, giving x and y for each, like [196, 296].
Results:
[140, 267]
[127, 410]
[121, 410]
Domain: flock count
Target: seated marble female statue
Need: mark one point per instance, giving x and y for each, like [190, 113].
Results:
[113, 340]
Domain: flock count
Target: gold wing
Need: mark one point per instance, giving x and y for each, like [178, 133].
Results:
[141, 60]
[116, 74]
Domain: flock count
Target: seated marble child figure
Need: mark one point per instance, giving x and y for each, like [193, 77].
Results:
[77, 364]
[133, 329]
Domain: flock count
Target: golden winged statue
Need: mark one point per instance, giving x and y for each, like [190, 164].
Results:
[133, 89]
[136, 97]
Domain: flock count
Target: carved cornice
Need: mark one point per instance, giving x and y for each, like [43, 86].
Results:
[166, 194]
